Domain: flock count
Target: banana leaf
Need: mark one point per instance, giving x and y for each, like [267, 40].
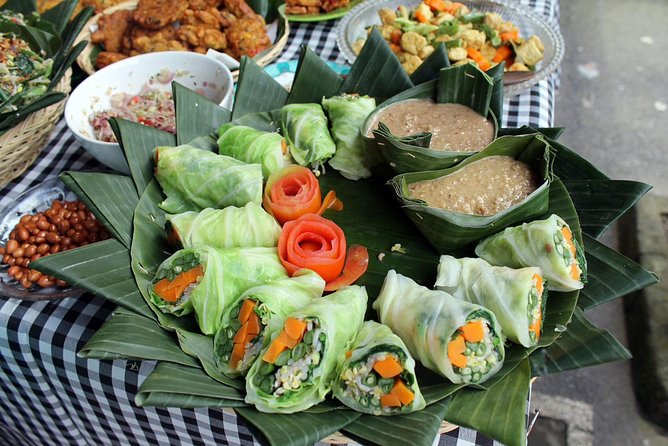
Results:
[417, 428]
[137, 142]
[127, 335]
[431, 66]
[581, 345]
[496, 101]
[176, 385]
[256, 91]
[115, 200]
[455, 86]
[10, 119]
[611, 275]
[201, 347]
[376, 72]
[60, 14]
[448, 230]
[102, 268]
[297, 429]
[25, 7]
[185, 101]
[569, 165]
[498, 412]
[40, 41]
[551, 132]
[602, 202]
[314, 79]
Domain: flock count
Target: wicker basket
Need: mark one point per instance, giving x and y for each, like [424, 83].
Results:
[85, 58]
[20, 145]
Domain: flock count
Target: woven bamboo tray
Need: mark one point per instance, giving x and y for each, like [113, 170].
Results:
[20, 145]
[85, 58]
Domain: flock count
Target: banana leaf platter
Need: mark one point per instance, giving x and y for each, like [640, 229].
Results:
[185, 376]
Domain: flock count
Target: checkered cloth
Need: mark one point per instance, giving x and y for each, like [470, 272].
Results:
[49, 396]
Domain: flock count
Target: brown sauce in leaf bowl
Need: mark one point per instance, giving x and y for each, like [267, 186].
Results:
[484, 187]
[453, 127]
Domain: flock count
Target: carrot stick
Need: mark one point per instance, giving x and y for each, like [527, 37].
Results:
[568, 236]
[275, 349]
[478, 58]
[421, 17]
[389, 400]
[395, 36]
[286, 340]
[538, 281]
[473, 331]
[238, 352]
[246, 310]
[436, 5]
[253, 324]
[388, 367]
[405, 395]
[294, 328]
[456, 349]
[172, 291]
[502, 53]
[241, 334]
[509, 36]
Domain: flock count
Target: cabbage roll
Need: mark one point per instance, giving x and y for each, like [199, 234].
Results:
[259, 309]
[195, 179]
[548, 244]
[515, 296]
[211, 279]
[297, 366]
[347, 114]
[456, 339]
[253, 146]
[377, 374]
[305, 128]
[231, 227]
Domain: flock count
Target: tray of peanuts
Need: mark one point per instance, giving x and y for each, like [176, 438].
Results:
[44, 220]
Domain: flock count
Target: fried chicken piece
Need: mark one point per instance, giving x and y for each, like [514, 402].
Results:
[330, 5]
[239, 8]
[155, 14]
[150, 41]
[105, 58]
[111, 30]
[246, 37]
[300, 7]
[199, 5]
[201, 30]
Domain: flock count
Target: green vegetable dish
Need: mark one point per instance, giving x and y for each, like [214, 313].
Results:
[24, 74]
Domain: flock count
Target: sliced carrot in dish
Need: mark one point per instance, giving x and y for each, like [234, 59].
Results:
[388, 367]
[473, 331]
[241, 335]
[254, 325]
[286, 340]
[171, 291]
[456, 349]
[477, 56]
[405, 395]
[357, 262]
[538, 281]
[568, 236]
[575, 271]
[294, 328]
[389, 400]
[535, 327]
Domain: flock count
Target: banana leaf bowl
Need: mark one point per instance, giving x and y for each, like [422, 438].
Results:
[120, 269]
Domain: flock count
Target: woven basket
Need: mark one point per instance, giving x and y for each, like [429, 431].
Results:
[85, 58]
[20, 145]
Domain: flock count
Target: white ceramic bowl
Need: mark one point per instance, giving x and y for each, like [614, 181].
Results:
[198, 72]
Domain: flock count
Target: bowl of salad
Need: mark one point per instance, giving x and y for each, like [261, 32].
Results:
[139, 89]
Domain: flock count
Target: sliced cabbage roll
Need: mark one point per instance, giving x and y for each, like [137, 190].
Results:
[211, 279]
[195, 179]
[297, 365]
[515, 296]
[347, 114]
[305, 128]
[246, 144]
[258, 310]
[456, 339]
[232, 227]
[548, 244]
[377, 374]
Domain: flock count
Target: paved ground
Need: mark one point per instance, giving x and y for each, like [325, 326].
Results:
[612, 101]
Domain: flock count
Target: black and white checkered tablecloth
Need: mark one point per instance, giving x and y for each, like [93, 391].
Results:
[49, 396]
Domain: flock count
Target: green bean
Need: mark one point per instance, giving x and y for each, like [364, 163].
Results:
[299, 351]
[266, 368]
[322, 337]
[230, 332]
[473, 346]
[235, 312]
[364, 401]
[473, 17]
[482, 349]
[476, 377]
[465, 371]
[449, 27]
[258, 379]
[371, 379]
[453, 43]
[235, 324]
[308, 337]
[267, 385]
[386, 384]
[283, 358]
